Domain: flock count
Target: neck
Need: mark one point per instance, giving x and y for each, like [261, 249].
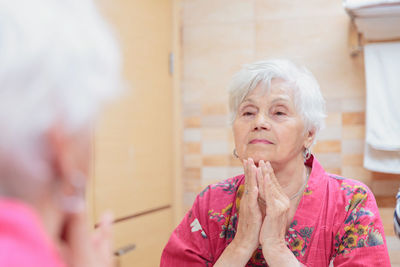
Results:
[291, 176]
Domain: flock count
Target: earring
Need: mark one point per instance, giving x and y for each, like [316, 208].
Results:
[235, 154]
[74, 201]
[306, 154]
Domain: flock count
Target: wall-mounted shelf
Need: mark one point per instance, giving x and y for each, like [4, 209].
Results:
[373, 21]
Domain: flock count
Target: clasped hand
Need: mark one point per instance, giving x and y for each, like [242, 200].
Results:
[258, 223]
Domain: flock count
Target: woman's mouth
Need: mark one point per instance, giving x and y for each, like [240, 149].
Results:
[260, 141]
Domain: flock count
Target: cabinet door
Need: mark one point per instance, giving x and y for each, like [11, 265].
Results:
[146, 235]
[132, 170]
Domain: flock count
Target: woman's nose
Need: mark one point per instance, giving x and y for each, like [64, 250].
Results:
[261, 123]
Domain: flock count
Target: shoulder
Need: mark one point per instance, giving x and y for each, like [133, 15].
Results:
[358, 224]
[349, 189]
[217, 202]
[226, 189]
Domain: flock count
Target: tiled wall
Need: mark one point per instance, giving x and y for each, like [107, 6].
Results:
[218, 36]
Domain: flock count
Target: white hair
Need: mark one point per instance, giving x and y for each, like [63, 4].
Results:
[58, 62]
[308, 99]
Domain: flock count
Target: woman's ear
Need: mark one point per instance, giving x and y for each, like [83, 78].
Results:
[310, 136]
[58, 151]
[70, 162]
[70, 152]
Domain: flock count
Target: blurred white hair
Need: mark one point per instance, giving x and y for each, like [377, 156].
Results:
[308, 99]
[59, 61]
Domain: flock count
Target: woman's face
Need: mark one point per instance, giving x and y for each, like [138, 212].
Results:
[267, 126]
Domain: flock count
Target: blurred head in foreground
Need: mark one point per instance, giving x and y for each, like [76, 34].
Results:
[58, 63]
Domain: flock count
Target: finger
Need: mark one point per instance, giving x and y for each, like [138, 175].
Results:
[76, 239]
[103, 232]
[246, 174]
[260, 179]
[274, 180]
[102, 238]
[252, 174]
[271, 190]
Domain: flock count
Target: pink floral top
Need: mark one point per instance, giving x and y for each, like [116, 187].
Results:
[337, 220]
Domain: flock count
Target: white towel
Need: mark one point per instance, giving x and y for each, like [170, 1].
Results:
[382, 71]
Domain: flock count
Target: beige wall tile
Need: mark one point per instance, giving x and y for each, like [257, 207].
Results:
[192, 148]
[192, 122]
[333, 105]
[336, 171]
[192, 173]
[214, 147]
[288, 9]
[323, 40]
[221, 11]
[192, 184]
[334, 119]
[353, 104]
[329, 160]
[387, 220]
[353, 131]
[233, 161]
[357, 173]
[212, 174]
[191, 109]
[330, 133]
[215, 133]
[191, 135]
[214, 108]
[235, 171]
[385, 187]
[214, 121]
[354, 146]
[328, 146]
[188, 199]
[192, 161]
[213, 52]
[393, 243]
[386, 176]
[385, 201]
[353, 118]
[216, 160]
[352, 160]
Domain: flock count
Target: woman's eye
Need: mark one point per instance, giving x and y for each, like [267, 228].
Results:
[280, 113]
[247, 113]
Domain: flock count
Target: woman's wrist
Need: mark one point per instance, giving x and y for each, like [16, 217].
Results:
[235, 254]
[279, 255]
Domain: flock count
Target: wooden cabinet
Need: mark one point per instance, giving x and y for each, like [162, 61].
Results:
[148, 236]
[133, 140]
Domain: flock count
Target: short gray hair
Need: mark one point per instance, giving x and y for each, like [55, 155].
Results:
[307, 95]
[59, 61]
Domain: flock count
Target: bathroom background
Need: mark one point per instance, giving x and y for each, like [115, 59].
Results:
[169, 137]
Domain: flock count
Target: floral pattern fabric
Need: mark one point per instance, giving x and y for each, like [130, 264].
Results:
[337, 221]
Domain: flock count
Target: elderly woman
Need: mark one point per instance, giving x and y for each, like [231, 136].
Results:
[58, 62]
[285, 210]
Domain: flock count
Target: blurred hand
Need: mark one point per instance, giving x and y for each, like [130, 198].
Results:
[250, 218]
[85, 248]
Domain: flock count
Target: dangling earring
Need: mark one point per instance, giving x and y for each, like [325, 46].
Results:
[75, 201]
[235, 154]
[306, 154]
